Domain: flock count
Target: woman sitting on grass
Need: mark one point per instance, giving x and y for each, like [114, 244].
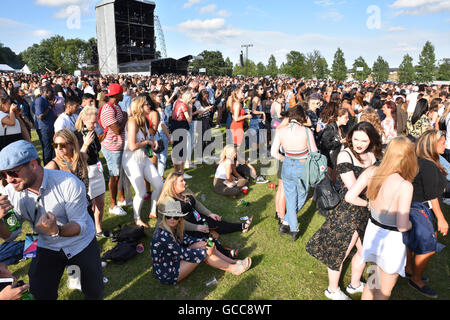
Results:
[198, 214]
[175, 254]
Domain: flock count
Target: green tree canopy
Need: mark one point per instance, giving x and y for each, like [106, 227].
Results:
[272, 68]
[406, 71]
[339, 69]
[443, 73]
[213, 62]
[426, 69]
[380, 70]
[9, 57]
[362, 74]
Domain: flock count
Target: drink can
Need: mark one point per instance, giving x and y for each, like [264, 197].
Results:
[12, 221]
[245, 203]
[210, 242]
[149, 152]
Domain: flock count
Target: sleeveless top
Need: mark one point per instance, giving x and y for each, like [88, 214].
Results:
[220, 172]
[141, 153]
[385, 218]
[295, 154]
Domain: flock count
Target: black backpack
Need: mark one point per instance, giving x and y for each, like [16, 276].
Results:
[127, 239]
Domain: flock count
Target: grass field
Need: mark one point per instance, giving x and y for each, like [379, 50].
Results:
[281, 269]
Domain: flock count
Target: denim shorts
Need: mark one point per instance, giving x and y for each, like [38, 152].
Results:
[113, 161]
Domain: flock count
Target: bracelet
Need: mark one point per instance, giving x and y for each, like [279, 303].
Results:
[57, 234]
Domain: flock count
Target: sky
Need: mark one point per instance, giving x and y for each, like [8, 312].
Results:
[387, 28]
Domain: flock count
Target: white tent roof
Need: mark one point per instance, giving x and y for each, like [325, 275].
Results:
[25, 70]
[5, 67]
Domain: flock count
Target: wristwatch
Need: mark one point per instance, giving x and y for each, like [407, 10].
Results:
[57, 234]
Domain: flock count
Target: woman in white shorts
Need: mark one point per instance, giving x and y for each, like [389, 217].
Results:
[135, 161]
[383, 240]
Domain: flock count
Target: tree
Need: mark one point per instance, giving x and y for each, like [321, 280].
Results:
[322, 71]
[240, 70]
[213, 62]
[443, 73]
[228, 67]
[9, 57]
[380, 70]
[272, 68]
[261, 70]
[295, 64]
[38, 58]
[406, 72]
[358, 73]
[426, 69]
[339, 69]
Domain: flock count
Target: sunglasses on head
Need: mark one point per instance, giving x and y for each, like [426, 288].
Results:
[60, 145]
[174, 218]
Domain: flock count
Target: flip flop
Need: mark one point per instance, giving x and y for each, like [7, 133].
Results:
[247, 225]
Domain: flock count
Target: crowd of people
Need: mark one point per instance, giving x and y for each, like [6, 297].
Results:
[386, 145]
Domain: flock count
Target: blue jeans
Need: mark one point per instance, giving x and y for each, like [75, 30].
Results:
[46, 137]
[294, 193]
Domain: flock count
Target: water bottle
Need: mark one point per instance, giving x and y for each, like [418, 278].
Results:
[25, 295]
[244, 203]
[149, 152]
[204, 222]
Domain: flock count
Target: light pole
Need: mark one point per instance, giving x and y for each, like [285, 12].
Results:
[246, 46]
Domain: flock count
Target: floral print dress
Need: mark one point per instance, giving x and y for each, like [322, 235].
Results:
[168, 253]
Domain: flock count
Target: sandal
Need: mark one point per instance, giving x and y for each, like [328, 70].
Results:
[241, 266]
[246, 225]
[234, 253]
[141, 223]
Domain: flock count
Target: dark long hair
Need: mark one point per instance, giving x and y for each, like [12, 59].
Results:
[420, 110]
[375, 145]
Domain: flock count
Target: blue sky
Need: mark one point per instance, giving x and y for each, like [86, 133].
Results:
[390, 28]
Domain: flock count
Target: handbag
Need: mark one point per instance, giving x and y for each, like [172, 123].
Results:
[326, 195]
[160, 144]
[315, 167]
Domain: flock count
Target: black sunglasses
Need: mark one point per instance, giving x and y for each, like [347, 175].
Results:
[175, 218]
[61, 145]
[14, 173]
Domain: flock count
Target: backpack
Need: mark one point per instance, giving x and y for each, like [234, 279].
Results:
[127, 239]
[315, 167]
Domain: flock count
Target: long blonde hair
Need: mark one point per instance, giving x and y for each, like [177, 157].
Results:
[179, 231]
[400, 157]
[86, 112]
[426, 148]
[138, 112]
[78, 163]
[228, 152]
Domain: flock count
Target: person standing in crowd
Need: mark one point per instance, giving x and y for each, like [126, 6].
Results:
[69, 117]
[402, 116]
[389, 208]
[135, 161]
[313, 114]
[418, 122]
[202, 113]
[180, 120]
[429, 186]
[333, 138]
[55, 204]
[238, 116]
[175, 254]
[161, 130]
[126, 101]
[258, 118]
[90, 145]
[344, 227]
[46, 119]
[113, 122]
[296, 153]
[276, 109]
[389, 124]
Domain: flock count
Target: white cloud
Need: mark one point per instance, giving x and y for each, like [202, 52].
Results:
[208, 9]
[224, 13]
[41, 33]
[58, 3]
[209, 31]
[395, 29]
[330, 3]
[190, 3]
[421, 7]
[332, 15]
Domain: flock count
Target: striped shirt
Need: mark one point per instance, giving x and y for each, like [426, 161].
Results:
[109, 116]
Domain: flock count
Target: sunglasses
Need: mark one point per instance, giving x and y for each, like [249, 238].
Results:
[174, 218]
[60, 145]
[14, 173]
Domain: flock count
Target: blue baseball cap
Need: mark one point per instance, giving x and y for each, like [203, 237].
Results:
[16, 154]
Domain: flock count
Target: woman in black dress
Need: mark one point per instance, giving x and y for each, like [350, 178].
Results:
[345, 226]
[429, 186]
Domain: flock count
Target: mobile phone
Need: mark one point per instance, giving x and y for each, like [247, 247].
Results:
[4, 282]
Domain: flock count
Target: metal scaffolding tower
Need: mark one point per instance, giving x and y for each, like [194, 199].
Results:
[161, 39]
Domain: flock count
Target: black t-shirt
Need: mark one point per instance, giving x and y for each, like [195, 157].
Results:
[429, 183]
[93, 149]
[58, 89]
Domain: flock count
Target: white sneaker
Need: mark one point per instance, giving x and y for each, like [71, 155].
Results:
[337, 295]
[186, 176]
[118, 211]
[352, 290]
[124, 203]
[261, 179]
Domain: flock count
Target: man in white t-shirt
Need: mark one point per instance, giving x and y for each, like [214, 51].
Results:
[411, 99]
[69, 117]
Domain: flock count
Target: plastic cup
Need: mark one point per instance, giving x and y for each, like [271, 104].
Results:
[245, 190]
[140, 248]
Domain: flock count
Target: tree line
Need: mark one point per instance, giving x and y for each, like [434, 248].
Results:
[314, 65]
[66, 55]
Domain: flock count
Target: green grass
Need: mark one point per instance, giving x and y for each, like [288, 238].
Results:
[281, 269]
